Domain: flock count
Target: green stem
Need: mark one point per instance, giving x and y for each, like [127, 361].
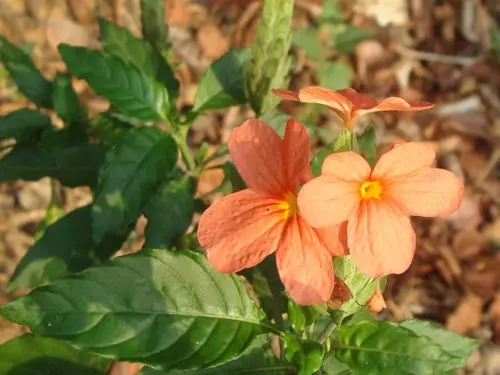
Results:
[326, 332]
[180, 138]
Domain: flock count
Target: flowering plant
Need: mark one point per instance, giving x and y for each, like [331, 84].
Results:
[282, 275]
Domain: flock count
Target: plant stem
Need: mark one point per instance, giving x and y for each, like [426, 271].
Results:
[180, 138]
[326, 332]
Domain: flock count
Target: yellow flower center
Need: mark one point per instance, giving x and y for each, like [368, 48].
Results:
[371, 189]
[289, 205]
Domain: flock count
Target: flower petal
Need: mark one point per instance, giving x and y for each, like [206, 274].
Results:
[320, 95]
[240, 230]
[359, 101]
[347, 166]
[304, 264]
[256, 151]
[326, 201]
[286, 94]
[335, 239]
[397, 104]
[380, 238]
[296, 151]
[403, 160]
[428, 192]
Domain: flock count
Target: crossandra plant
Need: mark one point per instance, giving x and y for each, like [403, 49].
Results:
[280, 276]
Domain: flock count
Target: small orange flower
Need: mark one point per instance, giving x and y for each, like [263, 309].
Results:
[241, 229]
[376, 303]
[348, 103]
[377, 202]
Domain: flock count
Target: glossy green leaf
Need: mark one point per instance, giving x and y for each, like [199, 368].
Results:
[306, 355]
[380, 348]
[168, 309]
[36, 355]
[330, 12]
[223, 83]
[132, 173]
[348, 37]
[120, 42]
[108, 128]
[334, 75]
[23, 123]
[74, 165]
[154, 28]
[452, 342]
[65, 100]
[367, 144]
[308, 40]
[169, 212]
[24, 72]
[258, 359]
[65, 247]
[360, 286]
[332, 366]
[127, 88]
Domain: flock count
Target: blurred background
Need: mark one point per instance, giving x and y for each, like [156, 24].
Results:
[444, 51]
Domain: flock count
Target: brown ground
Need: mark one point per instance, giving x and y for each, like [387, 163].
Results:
[439, 53]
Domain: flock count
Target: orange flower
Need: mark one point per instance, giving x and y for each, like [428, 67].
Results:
[376, 303]
[348, 103]
[377, 202]
[241, 229]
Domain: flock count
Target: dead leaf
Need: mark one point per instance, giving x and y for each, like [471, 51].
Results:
[468, 244]
[468, 216]
[467, 315]
[473, 163]
[62, 30]
[177, 13]
[340, 294]
[212, 42]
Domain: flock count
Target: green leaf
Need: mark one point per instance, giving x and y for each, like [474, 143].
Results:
[108, 128]
[36, 355]
[168, 309]
[360, 286]
[317, 161]
[346, 40]
[73, 165]
[334, 75]
[126, 87]
[120, 42]
[132, 173]
[332, 366]
[258, 359]
[65, 99]
[306, 355]
[268, 287]
[277, 120]
[301, 317]
[380, 348]
[367, 144]
[223, 83]
[308, 40]
[169, 212]
[23, 123]
[66, 247]
[54, 212]
[154, 28]
[24, 72]
[330, 12]
[452, 342]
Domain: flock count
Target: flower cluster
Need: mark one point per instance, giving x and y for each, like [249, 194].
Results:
[351, 208]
